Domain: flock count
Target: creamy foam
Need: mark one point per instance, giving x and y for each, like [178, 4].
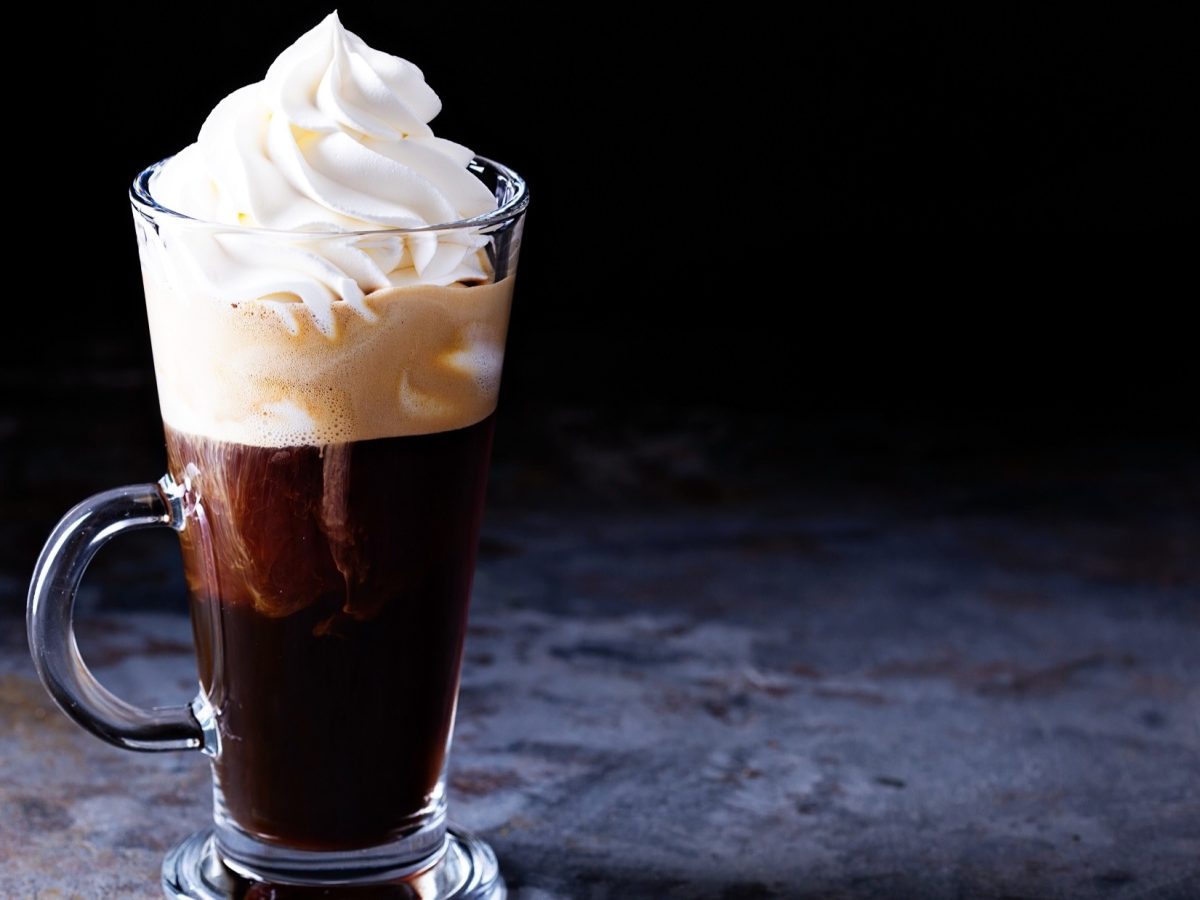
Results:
[428, 361]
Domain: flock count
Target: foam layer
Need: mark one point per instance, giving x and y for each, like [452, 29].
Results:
[424, 359]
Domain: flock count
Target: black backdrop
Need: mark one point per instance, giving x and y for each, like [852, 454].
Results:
[942, 220]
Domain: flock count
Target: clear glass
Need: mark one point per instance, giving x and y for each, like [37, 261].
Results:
[327, 456]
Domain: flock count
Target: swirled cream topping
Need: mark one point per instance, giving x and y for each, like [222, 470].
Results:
[334, 139]
[288, 309]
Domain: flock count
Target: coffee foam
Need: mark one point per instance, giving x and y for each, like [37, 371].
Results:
[426, 359]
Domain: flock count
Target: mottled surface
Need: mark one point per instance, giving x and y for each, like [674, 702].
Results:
[697, 670]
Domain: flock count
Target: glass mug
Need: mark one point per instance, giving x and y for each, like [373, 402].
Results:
[328, 581]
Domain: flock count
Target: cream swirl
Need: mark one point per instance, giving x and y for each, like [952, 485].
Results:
[334, 139]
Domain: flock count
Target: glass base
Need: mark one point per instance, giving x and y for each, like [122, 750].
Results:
[467, 870]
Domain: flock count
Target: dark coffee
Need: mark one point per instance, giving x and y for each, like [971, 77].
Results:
[329, 590]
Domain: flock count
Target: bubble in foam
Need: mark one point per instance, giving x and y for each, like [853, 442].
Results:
[285, 421]
[420, 403]
[481, 359]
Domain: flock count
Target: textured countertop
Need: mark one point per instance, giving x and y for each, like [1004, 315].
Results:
[706, 671]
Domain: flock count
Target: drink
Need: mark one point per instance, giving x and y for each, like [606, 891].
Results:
[336, 660]
[335, 480]
[328, 289]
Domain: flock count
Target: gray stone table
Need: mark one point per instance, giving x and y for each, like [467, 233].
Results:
[817, 680]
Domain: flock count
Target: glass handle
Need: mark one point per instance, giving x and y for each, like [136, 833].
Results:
[83, 531]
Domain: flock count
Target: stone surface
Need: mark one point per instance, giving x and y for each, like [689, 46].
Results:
[700, 671]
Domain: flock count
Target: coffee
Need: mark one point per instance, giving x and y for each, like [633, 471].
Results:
[329, 590]
[334, 473]
[328, 287]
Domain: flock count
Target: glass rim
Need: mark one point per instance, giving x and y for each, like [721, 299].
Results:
[143, 200]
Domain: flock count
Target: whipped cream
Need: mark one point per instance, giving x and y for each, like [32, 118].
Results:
[334, 140]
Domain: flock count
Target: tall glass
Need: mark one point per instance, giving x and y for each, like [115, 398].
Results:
[327, 457]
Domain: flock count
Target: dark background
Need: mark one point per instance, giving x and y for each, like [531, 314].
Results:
[847, 439]
[897, 238]
[997, 198]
